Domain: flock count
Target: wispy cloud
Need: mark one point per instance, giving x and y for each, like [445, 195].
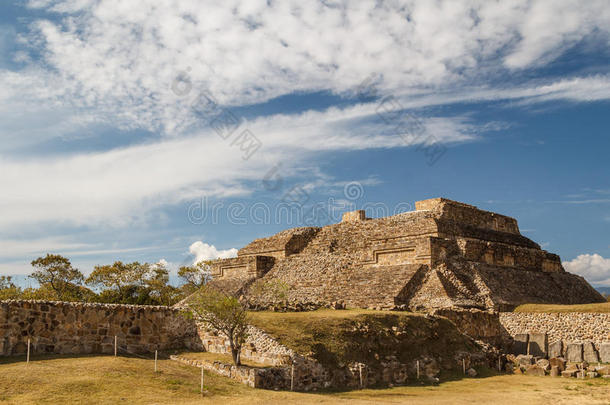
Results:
[33, 247]
[16, 247]
[122, 185]
[585, 201]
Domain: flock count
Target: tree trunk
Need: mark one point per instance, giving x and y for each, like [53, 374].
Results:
[236, 356]
[235, 353]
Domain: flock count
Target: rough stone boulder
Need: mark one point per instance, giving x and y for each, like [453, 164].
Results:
[558, 362]
[535, 370]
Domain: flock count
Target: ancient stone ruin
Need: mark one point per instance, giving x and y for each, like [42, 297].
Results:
[444, 254]
[461, 265]
[84, 328]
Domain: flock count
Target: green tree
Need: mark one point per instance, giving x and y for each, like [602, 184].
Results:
[224, 313]
[56, 273]
[157, 283]
[41, 293]
[195, 276]
[134, 283]
[118, 276]
[8, 290]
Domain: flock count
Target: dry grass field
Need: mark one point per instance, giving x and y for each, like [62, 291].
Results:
[601, 307]
[109, 380]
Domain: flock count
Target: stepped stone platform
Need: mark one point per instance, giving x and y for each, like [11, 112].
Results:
[443, 254]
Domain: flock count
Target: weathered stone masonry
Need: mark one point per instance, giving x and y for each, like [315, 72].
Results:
[575, 336]
[444, 254]
[570, 327]
[80, 328]
[310, 374]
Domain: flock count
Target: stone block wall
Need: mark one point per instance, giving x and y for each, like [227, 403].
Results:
[81, 328]
[242, 267]
[352, 216]
[468, 214]
[575, 336]
[571, 327]
[502, 254]
[280, 245]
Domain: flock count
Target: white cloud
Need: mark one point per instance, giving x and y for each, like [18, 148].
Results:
[203, 251]
[24, 247]
[593, 267]
[124, 185]
[552, 26]
[113, 63]
[27, 249]
[120, 58]
[574, 89]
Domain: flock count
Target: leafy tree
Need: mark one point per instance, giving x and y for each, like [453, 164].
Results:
[223, 313]
[118, 276]
[159, 289]
[121, 283]
[130, 294]
[134, 283]
[195, 276]
[56, 273]
[8, 290]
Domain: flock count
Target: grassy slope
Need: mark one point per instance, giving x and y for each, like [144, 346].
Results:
[108, 380]
[328, 335]
[601, 307]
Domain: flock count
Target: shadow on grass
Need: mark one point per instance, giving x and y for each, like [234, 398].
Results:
[411, 382]
[375, 390]
[36, 357]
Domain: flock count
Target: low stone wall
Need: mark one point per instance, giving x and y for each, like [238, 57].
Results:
[268, 378]
[81, 328]
[569, 327]
[259, 347]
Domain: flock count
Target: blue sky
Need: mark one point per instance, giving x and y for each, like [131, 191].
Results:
[164, 130]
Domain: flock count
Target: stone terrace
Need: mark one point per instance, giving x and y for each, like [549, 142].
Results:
[443, 254]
